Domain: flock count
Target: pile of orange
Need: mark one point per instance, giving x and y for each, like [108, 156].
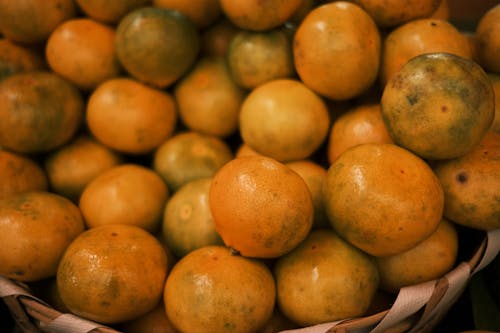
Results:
[241, 165]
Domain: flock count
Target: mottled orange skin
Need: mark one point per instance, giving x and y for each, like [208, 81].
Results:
[112, 273]
[261, 208]
[336, 50]
[259, 15]
[208, 99]
[202, 13]
[40, 111]
[255, 58]
[325, 279]
[188, 156]
[284, 119]
[126, 194]
[487, 37]
[429, 260]
[157, 64]
[442, 120]
[391, 13]
[212, 290]
[71, 167]
[471, 184]
[20, 173]
[361, 124]
[36, 227]
[187, 220]
[82, 50]
[110, 12]
[131, 117]
[382, 198]
[418, 37]
[32, 21]
[15, 58]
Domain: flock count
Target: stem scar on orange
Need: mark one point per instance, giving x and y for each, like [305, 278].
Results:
[261, 208]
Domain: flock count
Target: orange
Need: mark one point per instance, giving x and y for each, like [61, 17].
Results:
[382, 198]
[495, 81]
[428, 260]
[360, 124]
[20, 173]
[256, 57]
[15, 58]
[125, 194]
[109, 11]
[188, 156]
[215, 39]
[442, 12]
[36, 227]
[82, 50]
[32, 21]
[154, 321]
[144, 58]
[284, 119]
[418, 37]
[187, 220]
[488, 40]
[245, 150]
[471, 184]
[40, 111]
[278, 322]
[442, 120]
[336, 50]
[214, 291]
[112, 273]
[391, 13]
[129, 116]
[202, 13]
[314, 175]
[259, 15]
[325, 279]
[208, 99]
[260, 207]
[71, 167]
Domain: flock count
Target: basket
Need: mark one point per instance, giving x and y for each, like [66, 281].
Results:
[417, 308]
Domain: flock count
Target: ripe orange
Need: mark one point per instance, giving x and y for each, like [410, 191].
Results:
[488, 40]
[125, 194]
[471, 184]
[382, 198]
[187, 220]
[314, 175]
[20, 173]
[157, 45]
[215, 39]
[82, 50]
[325, 279]
[129, 116]
[110, 12]
[112, 273]
[36, 227]
[208, 99]
[257, 57]
[71, 167]
[214, 291]
[433, 35]
[245, 150]
[154, 321]
[261, 208]
[426, 261]
[495, 81]
[40, 111]
[336, 50]
[32, 21]
[360, 124]
[284, 119]
[202, 13]
[391, 13]
[442, 120]
[188, 156]
[15, 58]
[259, 15]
